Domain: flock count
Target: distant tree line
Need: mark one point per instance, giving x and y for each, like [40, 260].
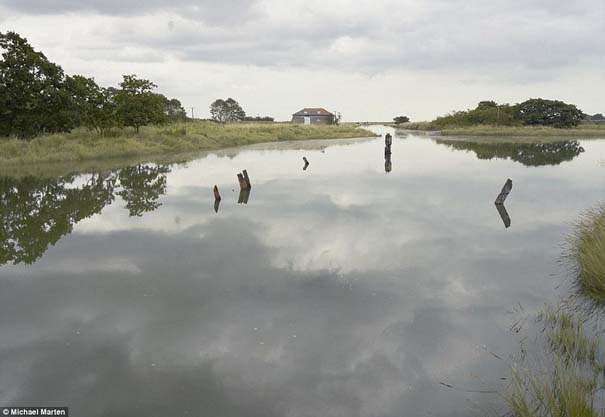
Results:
[533, 112]
[258, 119]
[229, 110]
[37, 97]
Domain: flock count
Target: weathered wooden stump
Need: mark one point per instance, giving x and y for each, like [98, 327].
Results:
[247, 179]
[242, 182]
[508, 186]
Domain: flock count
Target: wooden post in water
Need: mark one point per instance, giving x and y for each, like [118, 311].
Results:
[217, 199]
[242, 182]
[508, 186]
[244, 187]
[248, 185]
[388, 140]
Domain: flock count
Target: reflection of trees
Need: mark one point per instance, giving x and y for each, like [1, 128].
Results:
[38, 212]
[529, 154]
[142, 186]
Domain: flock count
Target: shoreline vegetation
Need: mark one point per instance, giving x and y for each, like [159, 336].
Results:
[536, 117]
[511, 133]
[588, 255]
[172, 139]
[566, 377]
[49, 116]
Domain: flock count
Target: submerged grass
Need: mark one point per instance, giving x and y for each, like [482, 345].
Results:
[568, 380]
[82, 145]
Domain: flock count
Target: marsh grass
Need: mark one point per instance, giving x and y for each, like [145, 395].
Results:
[567, 381]
[587, 255]
[584, 130]
[181, 138]
[421, 126]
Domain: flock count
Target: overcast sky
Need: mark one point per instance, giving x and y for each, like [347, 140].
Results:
[369, 59]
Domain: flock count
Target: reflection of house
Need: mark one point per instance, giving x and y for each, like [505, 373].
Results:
[314, 116]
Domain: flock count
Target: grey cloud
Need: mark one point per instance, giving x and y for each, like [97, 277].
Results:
[522, 40]
[225, 10]
[527, 40]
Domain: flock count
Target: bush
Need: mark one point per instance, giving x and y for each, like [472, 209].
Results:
[532, 112]
[401, 119]
[554, 113]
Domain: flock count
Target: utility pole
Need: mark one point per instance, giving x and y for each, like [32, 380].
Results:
[192, 113]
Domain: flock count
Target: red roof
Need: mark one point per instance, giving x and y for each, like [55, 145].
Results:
[314, 111]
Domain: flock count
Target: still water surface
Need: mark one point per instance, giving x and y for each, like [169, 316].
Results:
[341, 290]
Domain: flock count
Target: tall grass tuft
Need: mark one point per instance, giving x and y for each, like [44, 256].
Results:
[587, 255]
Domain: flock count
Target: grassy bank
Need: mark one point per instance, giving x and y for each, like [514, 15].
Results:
[582, 131]
[513, 133]
[83, 145]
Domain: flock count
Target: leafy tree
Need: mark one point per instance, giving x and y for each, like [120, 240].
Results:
[173, 109]
[487, 104]
[94, 106]
[597, 117]
[224, 111]
[401, 119]
[136, 103]
[555, 113]
[218, 111]
[33, 97]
